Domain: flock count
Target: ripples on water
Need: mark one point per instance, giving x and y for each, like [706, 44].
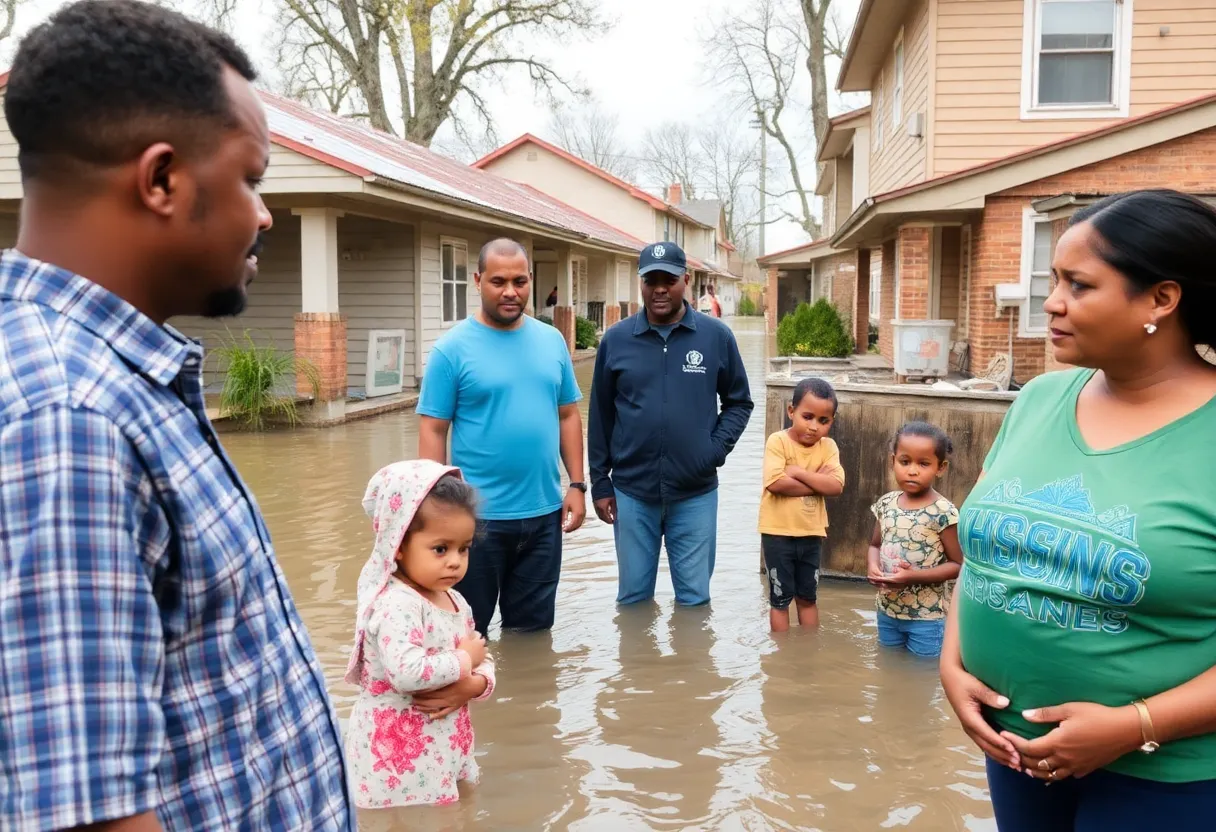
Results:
[653, 717]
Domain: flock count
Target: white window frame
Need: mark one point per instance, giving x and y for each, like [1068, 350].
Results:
[1030, 220]
[875, 286]
[899, 58]
[1120, 80]
[462, 246]
[877, 110]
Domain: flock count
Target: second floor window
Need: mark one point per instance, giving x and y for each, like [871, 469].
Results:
[1075, 56]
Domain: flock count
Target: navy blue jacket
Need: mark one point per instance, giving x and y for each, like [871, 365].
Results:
[655, 431]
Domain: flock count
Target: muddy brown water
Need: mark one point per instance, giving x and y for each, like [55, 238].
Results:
[653, 717]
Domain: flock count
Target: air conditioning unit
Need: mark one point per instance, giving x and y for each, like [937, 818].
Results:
[916, 125]
[1008, 296]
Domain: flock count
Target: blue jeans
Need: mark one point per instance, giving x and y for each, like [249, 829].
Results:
[1101, 802]
[690, 530]
[922, 637]
[516, 563]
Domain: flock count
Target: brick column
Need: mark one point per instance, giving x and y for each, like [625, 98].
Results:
[770, 302]
[563, 319]
[320, 339]
[634, 307]
[886, 303]
[915, 264]
[861, 301]
[612, 313]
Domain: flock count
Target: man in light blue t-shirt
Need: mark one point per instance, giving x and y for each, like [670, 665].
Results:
[505, 384]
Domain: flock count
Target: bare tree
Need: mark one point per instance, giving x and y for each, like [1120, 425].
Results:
[758, 51]
[592, 134]
[824, 36]
[672, 154]
[8, 17]
[436, 53]
[732, 166]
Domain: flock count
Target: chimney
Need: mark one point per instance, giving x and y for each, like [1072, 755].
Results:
[675, 193]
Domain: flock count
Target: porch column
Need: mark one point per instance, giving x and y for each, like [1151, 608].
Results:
[861, 302]
[635, 289]
[563, 313]
[530, 306]
[914, 264]
[612, 293]
[770, 301]
[320, 328]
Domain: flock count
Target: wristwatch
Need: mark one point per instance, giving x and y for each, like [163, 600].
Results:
[581, 486]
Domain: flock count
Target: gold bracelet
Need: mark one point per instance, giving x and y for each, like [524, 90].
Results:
[1147, 734]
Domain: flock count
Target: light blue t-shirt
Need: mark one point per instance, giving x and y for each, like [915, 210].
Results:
[501, 389]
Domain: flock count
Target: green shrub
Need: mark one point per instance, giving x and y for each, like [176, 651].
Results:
[254, 379]
[747, 307]
[545, 319]
[584, 334]
[816, 331]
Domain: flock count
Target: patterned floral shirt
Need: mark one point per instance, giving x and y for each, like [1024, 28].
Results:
[914, 535]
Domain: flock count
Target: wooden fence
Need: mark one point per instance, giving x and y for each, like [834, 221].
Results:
[868, 418]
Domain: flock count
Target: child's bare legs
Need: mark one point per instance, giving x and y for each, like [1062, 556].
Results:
[779, 619]
[808, 614]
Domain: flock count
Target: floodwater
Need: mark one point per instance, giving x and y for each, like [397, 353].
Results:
[653, 717]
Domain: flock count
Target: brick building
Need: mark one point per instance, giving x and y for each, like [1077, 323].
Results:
[978, 146]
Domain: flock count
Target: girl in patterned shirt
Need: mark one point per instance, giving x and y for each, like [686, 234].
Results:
[414, 633]
[914, 552]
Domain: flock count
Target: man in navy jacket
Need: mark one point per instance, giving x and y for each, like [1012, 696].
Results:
[657, 437]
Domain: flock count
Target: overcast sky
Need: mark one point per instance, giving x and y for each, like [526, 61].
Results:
[648, 68]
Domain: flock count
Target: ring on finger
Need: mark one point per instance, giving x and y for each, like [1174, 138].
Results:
[1044, 765]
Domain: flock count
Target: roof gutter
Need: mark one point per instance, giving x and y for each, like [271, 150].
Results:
[552, 230]
[854, 220]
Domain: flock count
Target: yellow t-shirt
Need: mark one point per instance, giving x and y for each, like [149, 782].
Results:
[795, 516]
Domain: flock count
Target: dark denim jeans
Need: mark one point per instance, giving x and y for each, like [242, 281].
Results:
[515, 564]
[1102, 802]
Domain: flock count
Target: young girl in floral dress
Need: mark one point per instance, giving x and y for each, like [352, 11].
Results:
[414, 633]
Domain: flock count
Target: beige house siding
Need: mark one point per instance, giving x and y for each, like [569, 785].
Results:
[274, 299]
[10, 174]
[575, 186]
[292, 172]
[375, 287]
[979, 75]
[901, 160]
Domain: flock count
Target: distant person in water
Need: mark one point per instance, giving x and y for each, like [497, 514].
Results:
[657, 435]
[709, 303]
[503, 384]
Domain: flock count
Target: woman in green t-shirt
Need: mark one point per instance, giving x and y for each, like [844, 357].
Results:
[1080, 651]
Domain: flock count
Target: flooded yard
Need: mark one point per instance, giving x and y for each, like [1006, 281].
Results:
[654, 717]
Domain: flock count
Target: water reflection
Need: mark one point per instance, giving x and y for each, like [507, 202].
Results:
[649, 717]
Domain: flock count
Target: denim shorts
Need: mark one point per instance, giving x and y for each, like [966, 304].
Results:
[921, 636]
[793, 568]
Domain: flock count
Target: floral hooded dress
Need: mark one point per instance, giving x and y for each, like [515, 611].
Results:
[404, 644]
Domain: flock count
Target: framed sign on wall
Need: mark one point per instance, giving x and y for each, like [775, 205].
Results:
[385, 362]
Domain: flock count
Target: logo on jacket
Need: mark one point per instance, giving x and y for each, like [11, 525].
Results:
[693, 361]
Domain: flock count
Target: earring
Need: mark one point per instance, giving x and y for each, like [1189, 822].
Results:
[1150, 328]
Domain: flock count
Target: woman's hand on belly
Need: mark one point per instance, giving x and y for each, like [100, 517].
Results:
[967, 696]
[1088, 737]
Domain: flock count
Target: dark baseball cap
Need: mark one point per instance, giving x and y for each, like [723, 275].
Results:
[662, 257]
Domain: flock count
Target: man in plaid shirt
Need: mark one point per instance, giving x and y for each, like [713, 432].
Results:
[154, 672]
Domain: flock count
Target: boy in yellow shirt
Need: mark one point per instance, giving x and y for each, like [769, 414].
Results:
[801, 467]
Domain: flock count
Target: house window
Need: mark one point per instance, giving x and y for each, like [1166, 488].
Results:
[454, 277]
[1077, 57]
[666, 228]
[875, 284]
[1036, 274]
[877, 109]
[897, 91]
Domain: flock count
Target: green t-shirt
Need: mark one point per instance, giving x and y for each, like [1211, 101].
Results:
[1090, 576]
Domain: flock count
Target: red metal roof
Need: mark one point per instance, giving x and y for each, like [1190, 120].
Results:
[633, 190]
[360, 150]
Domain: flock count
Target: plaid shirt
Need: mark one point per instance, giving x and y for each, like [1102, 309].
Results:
[151, 658]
